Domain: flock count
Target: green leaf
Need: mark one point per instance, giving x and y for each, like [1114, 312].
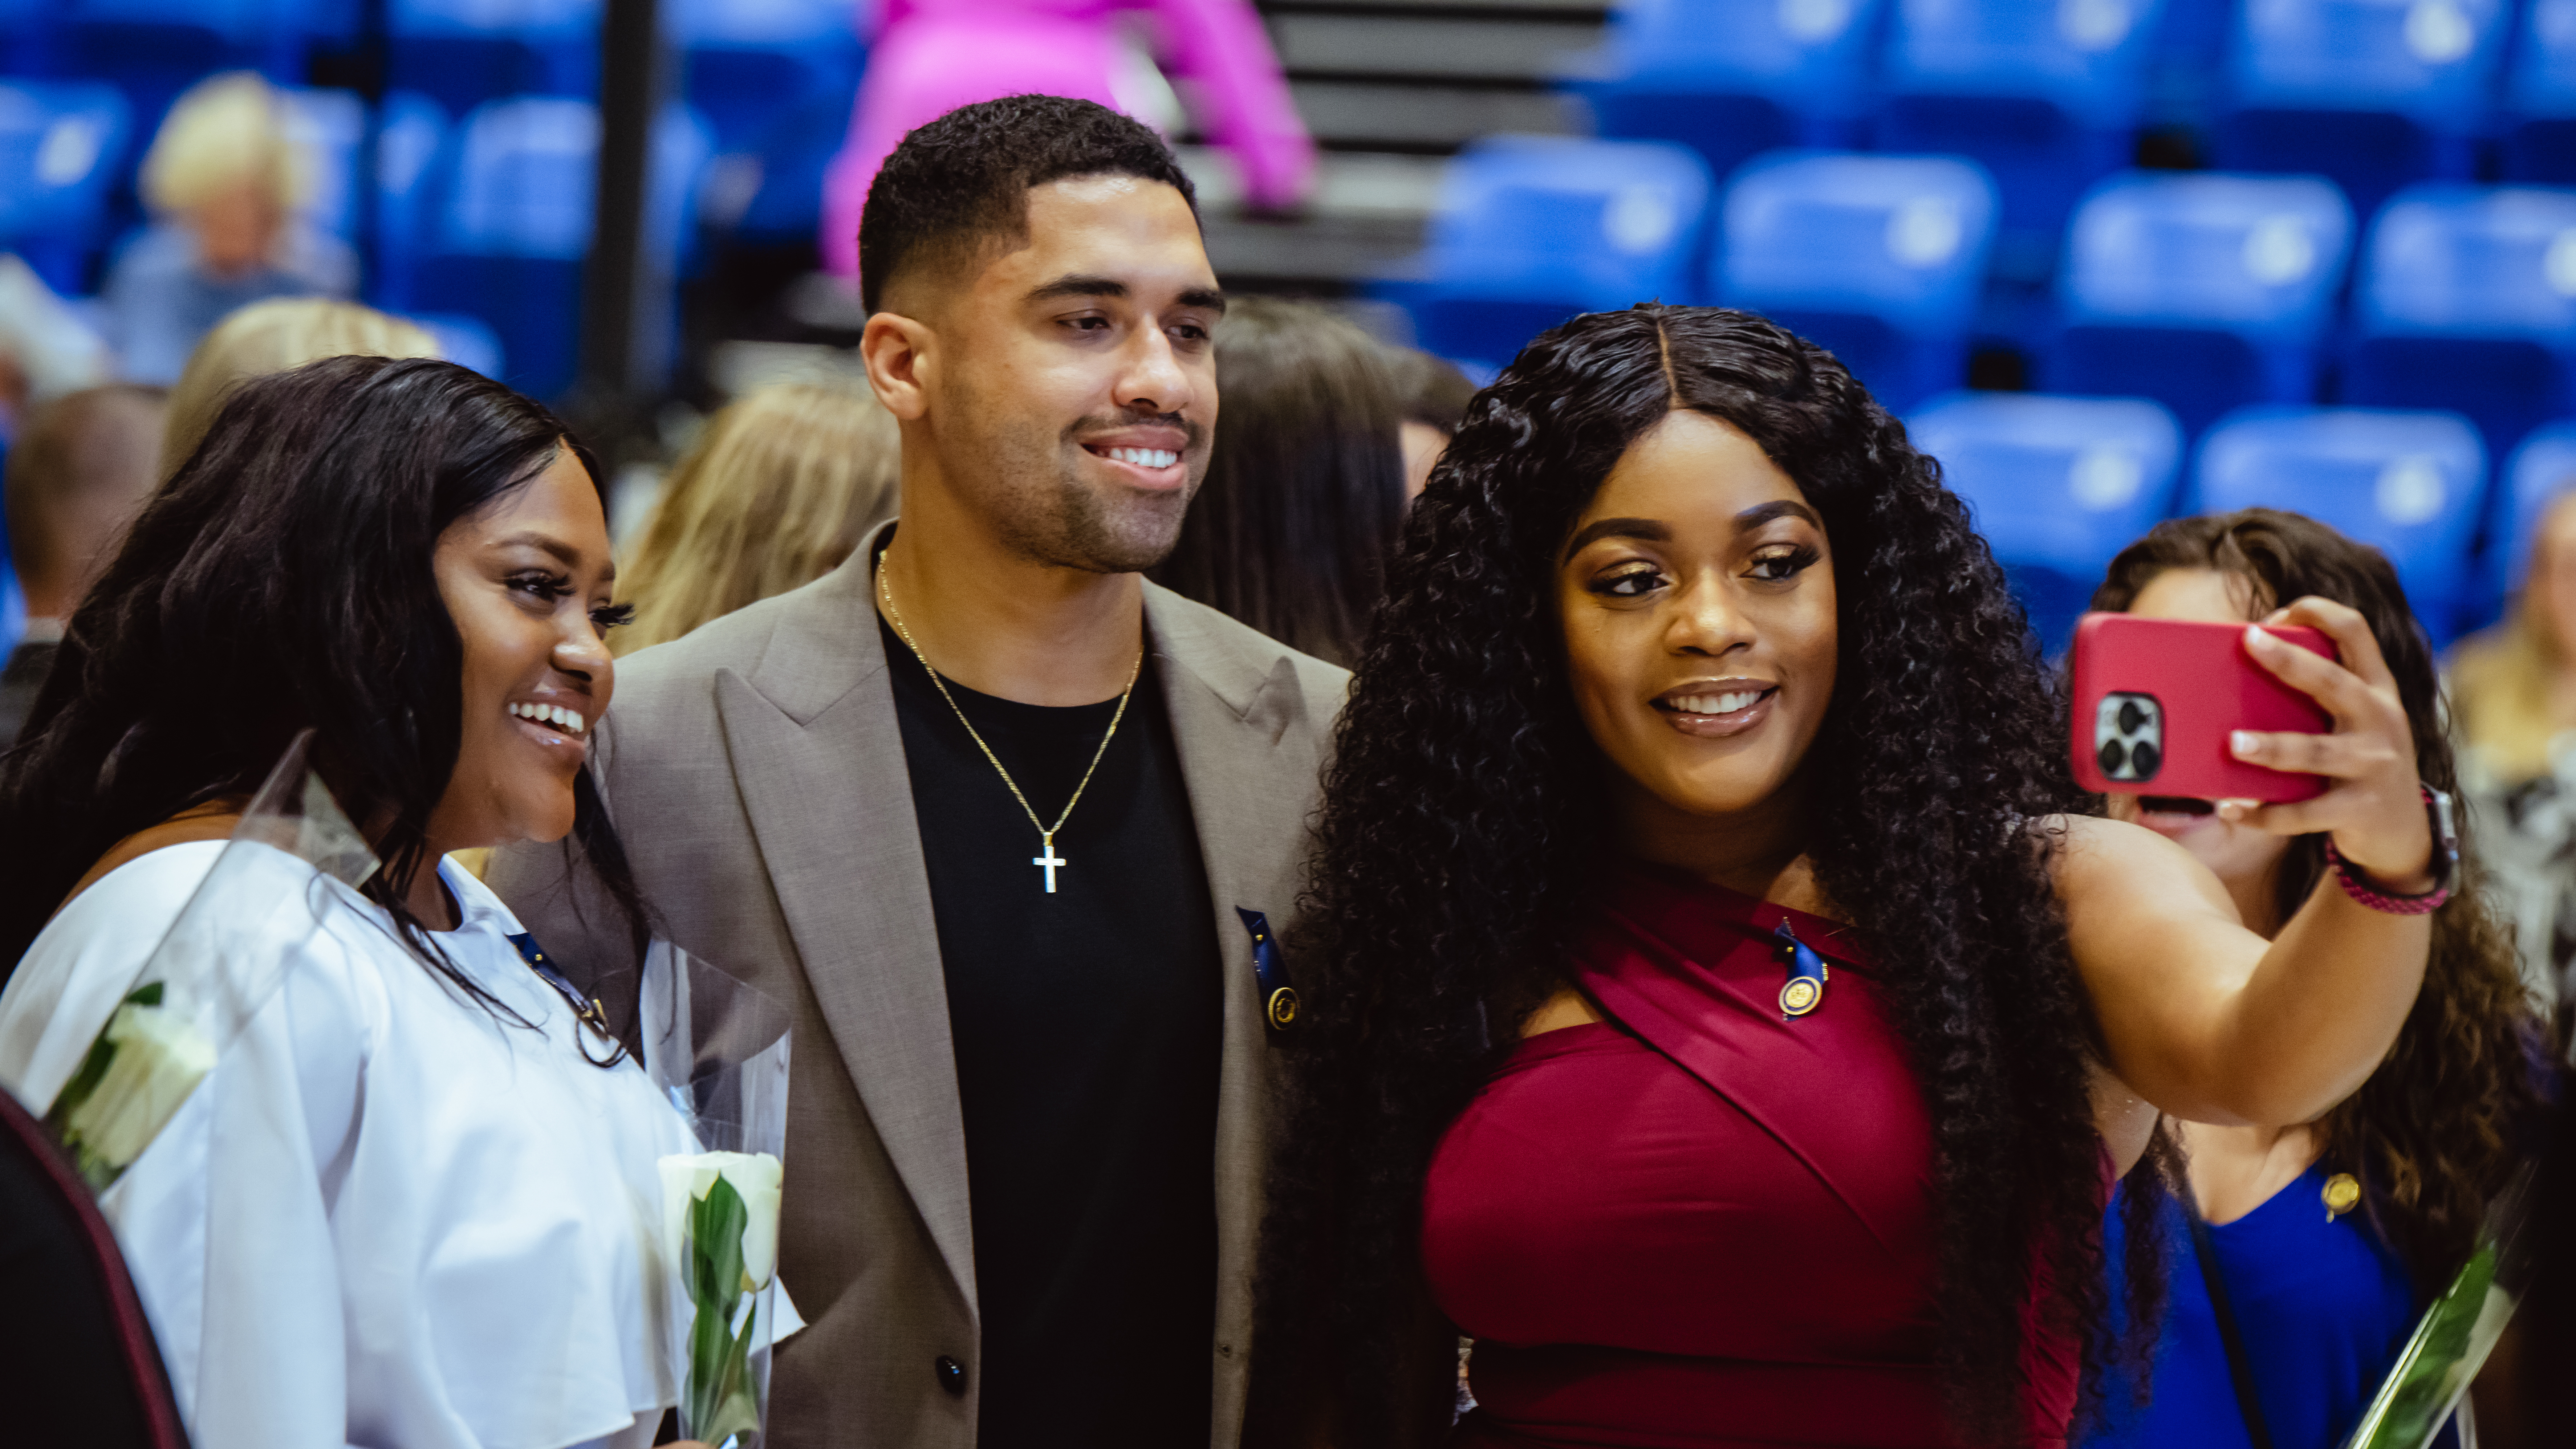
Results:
[719, 1400]
[2443, 1340]
[716, 1224]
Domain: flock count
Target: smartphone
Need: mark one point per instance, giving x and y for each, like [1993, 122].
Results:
[2155, 700]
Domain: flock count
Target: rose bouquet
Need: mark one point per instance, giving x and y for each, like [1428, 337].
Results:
[718, 1049]
[215, 968]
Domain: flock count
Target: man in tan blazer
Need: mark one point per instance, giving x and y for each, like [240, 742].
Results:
[1008, 827]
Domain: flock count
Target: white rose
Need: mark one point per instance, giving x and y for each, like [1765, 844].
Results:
[159, 1058]
[756, 1178]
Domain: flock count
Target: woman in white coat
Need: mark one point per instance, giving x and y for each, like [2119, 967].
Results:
[415, 1204]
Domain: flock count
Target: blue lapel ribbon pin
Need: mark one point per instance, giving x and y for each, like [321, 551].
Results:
[1278, 998]
[1805, 988]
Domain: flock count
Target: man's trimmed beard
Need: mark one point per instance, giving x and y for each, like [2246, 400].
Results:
[1044, 513]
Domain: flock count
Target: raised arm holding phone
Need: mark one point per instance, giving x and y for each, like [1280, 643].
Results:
[2306, 1246]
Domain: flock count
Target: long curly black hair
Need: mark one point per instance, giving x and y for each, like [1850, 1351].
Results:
[2458, 1104]
[1464, 810]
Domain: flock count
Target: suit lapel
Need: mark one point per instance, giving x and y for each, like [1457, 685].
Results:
[1233, 722]
[818, 760]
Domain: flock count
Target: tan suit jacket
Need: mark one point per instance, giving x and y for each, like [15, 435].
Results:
[756, 774]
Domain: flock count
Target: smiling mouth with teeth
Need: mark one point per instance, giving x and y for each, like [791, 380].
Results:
[568, 721]
[1142, 457]
[1726, 703]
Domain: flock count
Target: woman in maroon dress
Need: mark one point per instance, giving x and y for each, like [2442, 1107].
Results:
[1718, 1008]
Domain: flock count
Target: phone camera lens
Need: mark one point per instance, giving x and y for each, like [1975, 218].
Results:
[2131, 717]
[2143, 761]
[2115, 758]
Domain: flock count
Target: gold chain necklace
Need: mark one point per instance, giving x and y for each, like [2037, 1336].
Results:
[1046, 859]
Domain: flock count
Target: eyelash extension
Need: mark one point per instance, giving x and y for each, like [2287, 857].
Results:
[1609, 585]
[1799, 560]
[613, 616]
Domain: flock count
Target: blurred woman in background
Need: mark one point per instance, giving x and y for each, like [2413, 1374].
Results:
[775, 493]
[1435, 395]
[1305, 485]
[2513, 701]
[2323, 1238]
[226, 179]
[273, 336]
[2513, 687]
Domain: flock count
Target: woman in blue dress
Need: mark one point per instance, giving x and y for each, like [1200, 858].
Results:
[2322, 1240]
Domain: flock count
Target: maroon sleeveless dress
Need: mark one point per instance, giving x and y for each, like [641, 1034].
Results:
[1707, 1226]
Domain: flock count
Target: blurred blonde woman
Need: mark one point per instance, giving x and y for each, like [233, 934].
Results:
[2514, 687]
[775, 493]
[273, 336]
[227, 179]
[2513, 706]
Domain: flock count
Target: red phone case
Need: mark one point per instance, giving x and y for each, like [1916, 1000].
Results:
[2177, 688]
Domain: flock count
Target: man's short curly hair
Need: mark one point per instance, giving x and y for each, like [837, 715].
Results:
[963, 180]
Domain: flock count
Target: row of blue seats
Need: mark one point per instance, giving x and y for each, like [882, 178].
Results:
[2205, 291]
[2060, 484]
[492, 216]
[2050, 94]
[488, 216]
[773, 79]
[461, 51]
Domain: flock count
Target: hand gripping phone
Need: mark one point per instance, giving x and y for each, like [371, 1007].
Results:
[2155, 700]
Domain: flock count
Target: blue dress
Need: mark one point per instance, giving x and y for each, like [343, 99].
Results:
[2323, 1308]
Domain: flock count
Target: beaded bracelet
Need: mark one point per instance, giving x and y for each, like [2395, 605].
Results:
[2362, 889]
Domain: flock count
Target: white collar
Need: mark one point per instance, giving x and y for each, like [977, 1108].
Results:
[475, 903]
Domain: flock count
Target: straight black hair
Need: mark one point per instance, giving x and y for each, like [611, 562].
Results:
[282, 581]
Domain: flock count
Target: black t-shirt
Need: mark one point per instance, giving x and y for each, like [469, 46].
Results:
[1087, 1029]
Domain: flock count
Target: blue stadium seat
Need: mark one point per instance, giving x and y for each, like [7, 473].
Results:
[27, 37]
[13, 609]
[2045, 94]
[2057, 486]
[2184, 76]
[1877, 259]
[334, 125]
[1532, 230]
[61, 145]
[2466, 299]
[2541, 470]
[2540, 95]
[2372, 93]
[2411, 484]
[154, 49]
[465, 52]
[414, 154]
[511, 229]
[465, 341]
[510, 221]
[1734, 78]
[2202, 291]
[776, 80]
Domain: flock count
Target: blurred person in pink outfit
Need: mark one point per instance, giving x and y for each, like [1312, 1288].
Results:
[930, 57]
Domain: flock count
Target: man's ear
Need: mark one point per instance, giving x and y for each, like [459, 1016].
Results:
[902, 358]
